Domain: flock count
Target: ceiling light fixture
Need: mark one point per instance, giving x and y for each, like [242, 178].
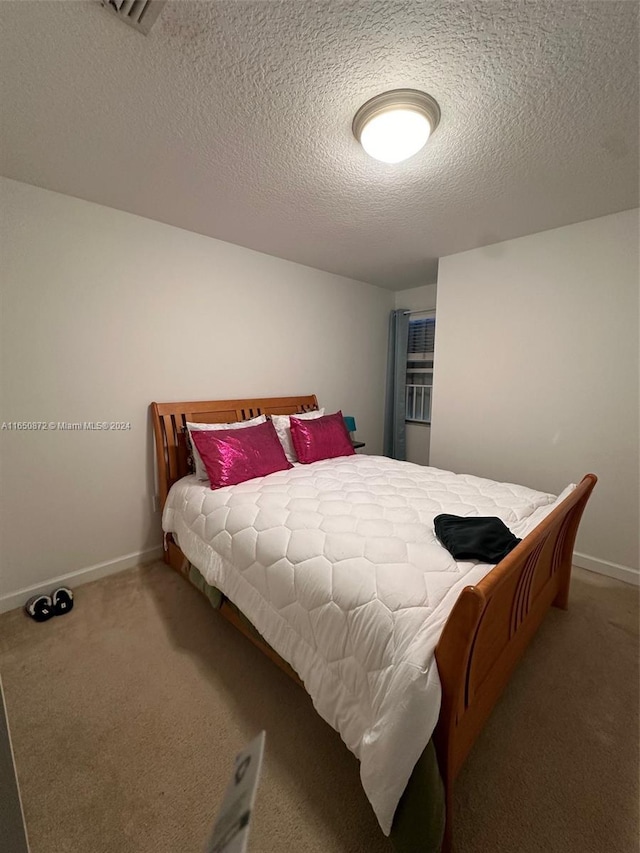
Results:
[395, 125]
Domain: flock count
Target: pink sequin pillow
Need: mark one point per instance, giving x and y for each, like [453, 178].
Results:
[322, 438]
[233, 456]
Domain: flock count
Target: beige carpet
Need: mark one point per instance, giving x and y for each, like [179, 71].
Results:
[126, 714]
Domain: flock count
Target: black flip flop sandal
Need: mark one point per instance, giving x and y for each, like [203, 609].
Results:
[40, 608]
[62, 600]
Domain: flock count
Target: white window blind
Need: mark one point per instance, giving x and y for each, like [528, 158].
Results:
[422, 335]
[420, 349]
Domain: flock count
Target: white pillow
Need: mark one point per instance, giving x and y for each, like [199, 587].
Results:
[283, 429]
[200, 470]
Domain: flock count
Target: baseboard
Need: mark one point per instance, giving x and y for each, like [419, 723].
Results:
[604, 567]
[92, 573]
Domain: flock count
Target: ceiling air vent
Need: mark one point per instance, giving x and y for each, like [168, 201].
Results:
[139, 14]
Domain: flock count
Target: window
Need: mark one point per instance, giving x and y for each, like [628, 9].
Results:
[420, 369]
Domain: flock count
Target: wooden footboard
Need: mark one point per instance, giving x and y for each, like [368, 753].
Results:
[492, 624]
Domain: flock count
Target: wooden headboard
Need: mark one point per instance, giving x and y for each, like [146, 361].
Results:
[169, 420]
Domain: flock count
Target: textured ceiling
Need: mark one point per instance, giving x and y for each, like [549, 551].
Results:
[233, 119]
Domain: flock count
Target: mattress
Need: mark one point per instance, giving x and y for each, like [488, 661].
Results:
[337, 566]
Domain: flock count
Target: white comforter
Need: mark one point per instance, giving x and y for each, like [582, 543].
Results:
[337, 566]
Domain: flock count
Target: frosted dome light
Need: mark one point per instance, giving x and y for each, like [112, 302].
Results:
[395, 125]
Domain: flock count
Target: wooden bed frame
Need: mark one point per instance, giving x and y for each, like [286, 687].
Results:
[491, 623]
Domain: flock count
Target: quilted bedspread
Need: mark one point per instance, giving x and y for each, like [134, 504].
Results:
[337, 566]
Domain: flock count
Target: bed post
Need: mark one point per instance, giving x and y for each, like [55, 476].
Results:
[452, 655]
[565, 544]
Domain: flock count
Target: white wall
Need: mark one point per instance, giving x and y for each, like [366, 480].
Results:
[537, 372]
[421, 298]
[103, 312]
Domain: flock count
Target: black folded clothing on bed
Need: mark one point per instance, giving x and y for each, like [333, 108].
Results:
[484, 539]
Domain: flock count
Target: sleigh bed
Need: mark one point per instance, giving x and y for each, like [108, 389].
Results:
[484, 619]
